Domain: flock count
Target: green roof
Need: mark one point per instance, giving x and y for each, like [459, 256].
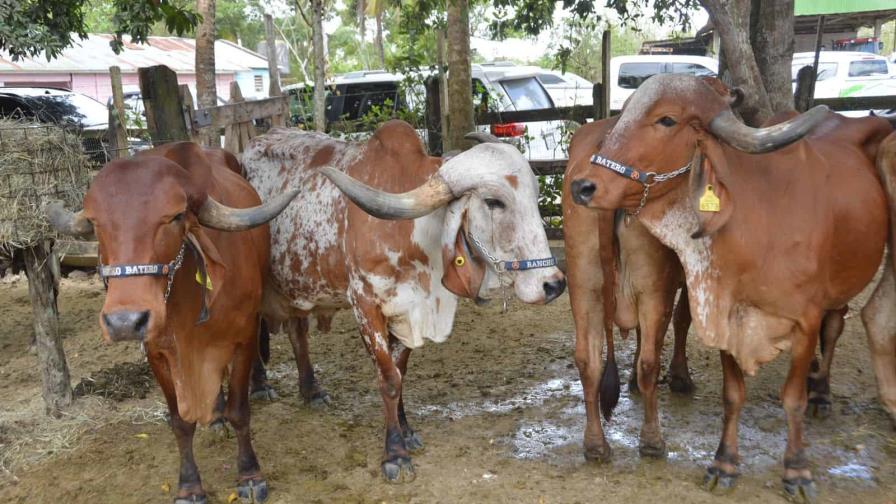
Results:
[816, 7]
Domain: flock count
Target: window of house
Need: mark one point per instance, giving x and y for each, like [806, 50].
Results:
[259, 83]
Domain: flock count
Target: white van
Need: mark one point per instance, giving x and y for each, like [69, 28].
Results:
[846, 73]
[628, 72]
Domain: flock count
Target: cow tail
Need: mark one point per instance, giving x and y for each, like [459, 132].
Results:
[609, 382]
[264, 341]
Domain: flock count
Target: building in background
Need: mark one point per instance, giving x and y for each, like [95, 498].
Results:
[84, 67]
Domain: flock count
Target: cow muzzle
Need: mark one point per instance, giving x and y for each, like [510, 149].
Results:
[553, 289]
[126, 325]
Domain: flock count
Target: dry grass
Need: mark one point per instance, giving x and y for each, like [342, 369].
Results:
[38, 163]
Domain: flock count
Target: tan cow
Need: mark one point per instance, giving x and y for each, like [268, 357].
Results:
[772, 230]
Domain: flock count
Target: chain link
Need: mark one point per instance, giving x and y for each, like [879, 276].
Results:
[172, 269]
[654, 179]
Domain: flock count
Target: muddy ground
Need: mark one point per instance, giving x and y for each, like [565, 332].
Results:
[498, 406]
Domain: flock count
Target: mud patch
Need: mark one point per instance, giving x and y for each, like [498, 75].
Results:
[125, 380]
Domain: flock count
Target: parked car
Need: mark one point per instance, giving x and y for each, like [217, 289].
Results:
[567, 89]
[501, 88]
[64, 108]
[628, 72]
[845, 73]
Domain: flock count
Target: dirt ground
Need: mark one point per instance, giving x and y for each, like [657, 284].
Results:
[498, 406]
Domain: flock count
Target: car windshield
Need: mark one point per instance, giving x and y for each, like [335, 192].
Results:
[825, 70]
[526, 94]
[691, 69]
[632, 75]
[68, 108]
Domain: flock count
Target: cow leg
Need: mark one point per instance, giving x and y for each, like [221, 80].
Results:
[722, 475]
[879, 319]
[401, 354]
[653, 321]
[798, 484]
[189, 484]
[633, 376]
[251, 486]
[819, 382]
[311, 391]
[679, 375]
[259, 388]
[219, 424]
[396, 466]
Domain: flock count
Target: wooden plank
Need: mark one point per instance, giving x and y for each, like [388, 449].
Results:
[606, 51]
[243, 111]
[802, 98]
[552, 167]
[186, 98]
[859, 102]
[164, 108]
[597, 93]
[575, 113]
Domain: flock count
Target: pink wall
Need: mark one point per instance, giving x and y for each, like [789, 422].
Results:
[98, 85]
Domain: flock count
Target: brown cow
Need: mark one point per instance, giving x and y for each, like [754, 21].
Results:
[402, 278]
[184, 252]
[769, 241]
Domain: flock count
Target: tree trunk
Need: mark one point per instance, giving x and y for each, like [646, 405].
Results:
[772, 39]
[362, 30]
[271, 49]
[320, 64]
[57, 390]
[380, 49]
[206, 91]
[460, 83]
[732, 19]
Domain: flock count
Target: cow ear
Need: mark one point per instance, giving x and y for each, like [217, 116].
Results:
[464, 270]
[709, 191]
[215, 269]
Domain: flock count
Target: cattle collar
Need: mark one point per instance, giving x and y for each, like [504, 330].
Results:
[168, 270]
[647, 179]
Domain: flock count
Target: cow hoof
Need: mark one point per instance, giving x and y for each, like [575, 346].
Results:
[398, 470]
[192, 499]
[633, 385]
[681, 385]
[652, 449]
[220, 429]
[819, 407]
[412, 441]
[599, 454]
[264, 393]
[800, 490]
[319, 399]
[253, 490]
[718, 481]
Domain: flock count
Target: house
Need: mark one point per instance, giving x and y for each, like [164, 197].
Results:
[84, 67]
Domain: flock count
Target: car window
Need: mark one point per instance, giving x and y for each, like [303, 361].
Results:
[632, 75]
[526, 93]
[864, 68]
[825, 71]
[361, 98]
[550, 79]
[12, 108]
[690, 69]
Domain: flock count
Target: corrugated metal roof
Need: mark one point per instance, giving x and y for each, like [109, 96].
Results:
[94, 55]
[813, 7]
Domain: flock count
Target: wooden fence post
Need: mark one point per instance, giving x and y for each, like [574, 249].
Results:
[597, 95]
[237, 135]
[433, 116]
[163, 104]
[802, 98]
[605, 54]
[57, 389]
[186, 99]
[118, 133]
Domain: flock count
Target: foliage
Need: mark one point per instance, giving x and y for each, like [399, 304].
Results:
[30, 27]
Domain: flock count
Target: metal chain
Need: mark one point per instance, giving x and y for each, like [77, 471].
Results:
[172, 269]
[662, 177]
[654, 179]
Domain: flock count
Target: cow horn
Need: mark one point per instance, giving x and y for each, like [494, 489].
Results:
[482, 137]
[225, 218]
[758, 140]
[418, 202]
[68, 222]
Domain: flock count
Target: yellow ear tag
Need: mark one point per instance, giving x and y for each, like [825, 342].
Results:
[709, 202]
[459, 261]
[208, 280]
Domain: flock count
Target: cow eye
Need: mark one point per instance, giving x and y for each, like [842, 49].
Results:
[494, 203]
[667, 121]
[177, 218]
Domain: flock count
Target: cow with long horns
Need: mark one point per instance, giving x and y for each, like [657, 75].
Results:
[773, 226]
[183, 249]
[468, 226]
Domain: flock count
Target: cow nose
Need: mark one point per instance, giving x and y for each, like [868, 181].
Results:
[583, 191]
[553, 289]
[126, 325]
